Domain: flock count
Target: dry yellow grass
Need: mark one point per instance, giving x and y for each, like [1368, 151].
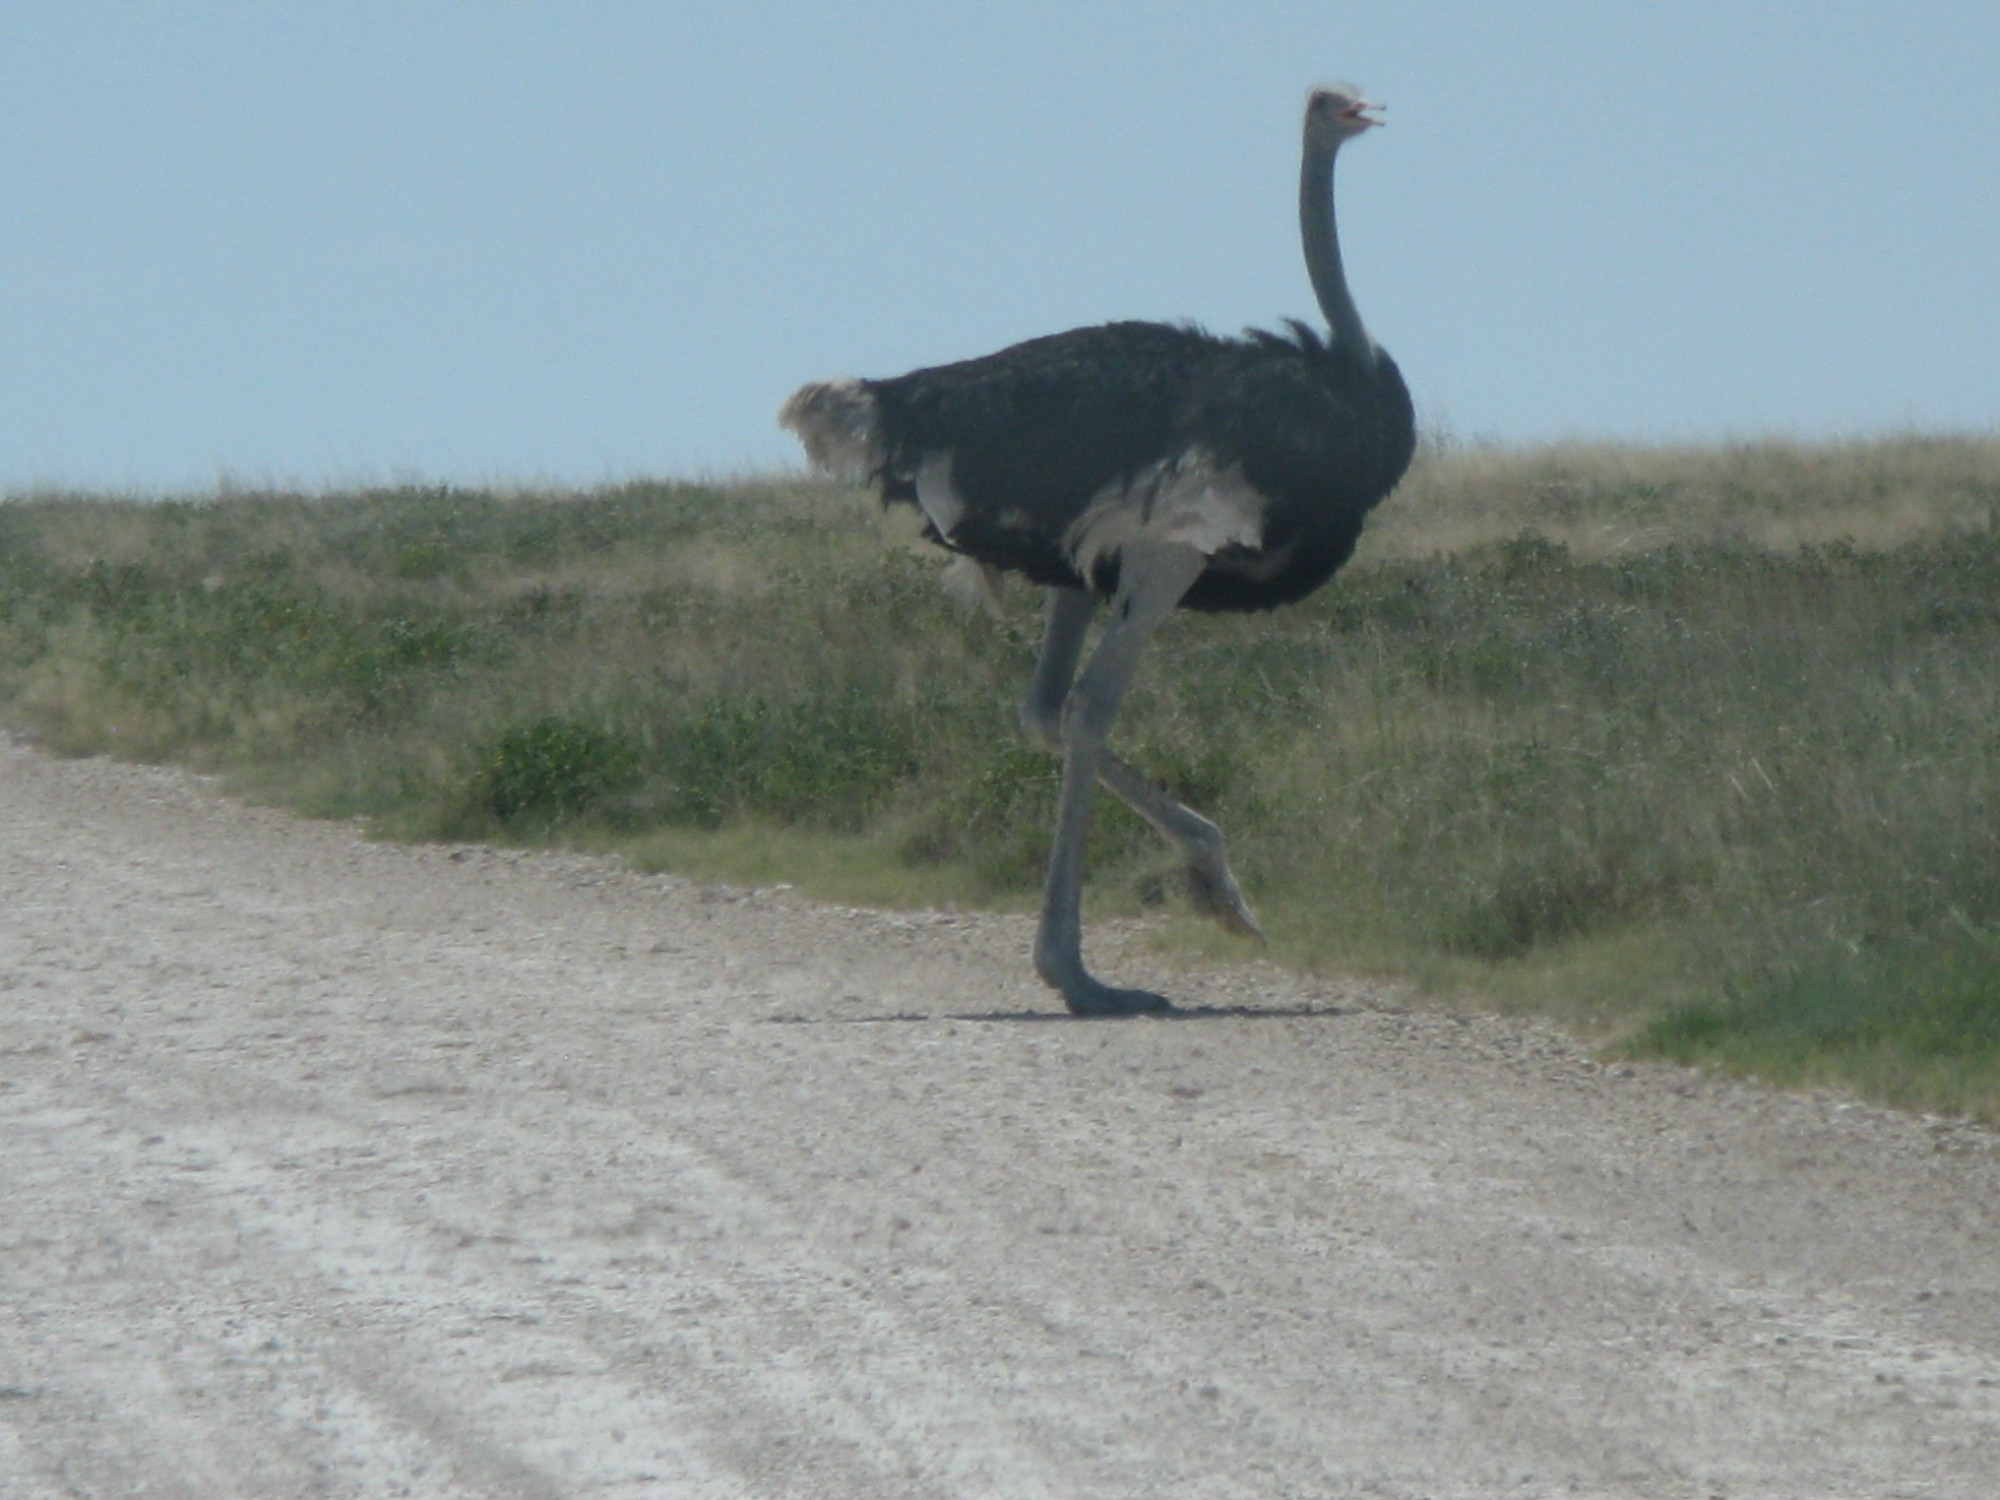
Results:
[1602, 500]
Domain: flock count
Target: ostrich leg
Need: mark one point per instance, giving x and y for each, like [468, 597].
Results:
[1211, 888]
[1152, 579]
[1055, 669]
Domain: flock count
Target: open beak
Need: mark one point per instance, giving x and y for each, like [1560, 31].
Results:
[1358, 112]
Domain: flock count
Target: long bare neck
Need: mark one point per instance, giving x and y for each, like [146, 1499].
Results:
[1322, 245]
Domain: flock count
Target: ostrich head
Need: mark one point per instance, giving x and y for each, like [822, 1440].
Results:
[1336, 111]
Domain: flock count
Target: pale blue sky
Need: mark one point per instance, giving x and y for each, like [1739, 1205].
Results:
[524, 242]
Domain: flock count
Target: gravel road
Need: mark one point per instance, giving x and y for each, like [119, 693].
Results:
[345, 1169]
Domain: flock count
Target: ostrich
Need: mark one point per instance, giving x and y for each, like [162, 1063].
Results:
[1157, 467]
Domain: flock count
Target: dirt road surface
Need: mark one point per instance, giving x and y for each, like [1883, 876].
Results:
[336, 1168]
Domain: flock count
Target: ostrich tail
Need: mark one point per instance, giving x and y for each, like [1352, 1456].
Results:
[835, 420]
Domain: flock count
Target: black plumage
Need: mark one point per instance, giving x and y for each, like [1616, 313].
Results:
[1037, 431]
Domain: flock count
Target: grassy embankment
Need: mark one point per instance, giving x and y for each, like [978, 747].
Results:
[1697, 750]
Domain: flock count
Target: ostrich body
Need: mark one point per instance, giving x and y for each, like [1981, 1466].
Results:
[1154, 466]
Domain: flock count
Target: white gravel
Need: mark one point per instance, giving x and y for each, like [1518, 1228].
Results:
[330, 1168]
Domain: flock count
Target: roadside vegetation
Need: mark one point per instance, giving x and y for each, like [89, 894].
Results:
[1696, 750]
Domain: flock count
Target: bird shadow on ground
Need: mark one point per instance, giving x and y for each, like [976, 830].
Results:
[1178, 1013]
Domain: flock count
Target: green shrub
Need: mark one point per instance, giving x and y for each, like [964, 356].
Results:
[553, 767]
[826, 760]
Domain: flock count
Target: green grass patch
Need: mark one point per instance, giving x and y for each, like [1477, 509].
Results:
[1913, 1023]
[1660, 742]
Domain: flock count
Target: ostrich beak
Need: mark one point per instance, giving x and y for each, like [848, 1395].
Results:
[1358, 112]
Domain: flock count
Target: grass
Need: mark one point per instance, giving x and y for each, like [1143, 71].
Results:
[1696, 749]
[1915, 1024]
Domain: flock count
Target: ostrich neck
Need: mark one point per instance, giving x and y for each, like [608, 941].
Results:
[1322, 245]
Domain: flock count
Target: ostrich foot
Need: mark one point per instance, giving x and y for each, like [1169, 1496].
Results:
[1090, 997]
[1212, 892]
[1063, 972]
